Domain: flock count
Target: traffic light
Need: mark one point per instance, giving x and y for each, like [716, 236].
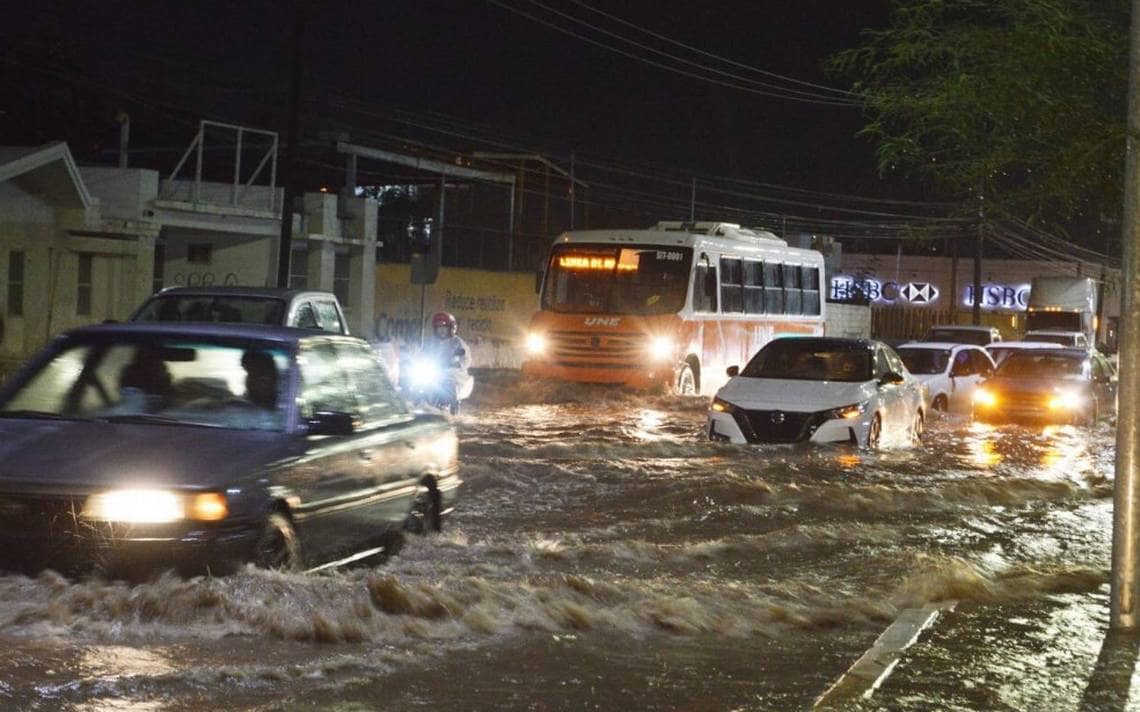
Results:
[427, 249]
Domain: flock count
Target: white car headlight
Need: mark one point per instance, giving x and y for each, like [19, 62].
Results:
[847, 412]
[535, 343]
[154, 506]
[1066, 400]
[660, 348]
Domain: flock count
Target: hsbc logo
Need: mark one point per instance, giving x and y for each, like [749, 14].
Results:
[602, 320]
[919, 292]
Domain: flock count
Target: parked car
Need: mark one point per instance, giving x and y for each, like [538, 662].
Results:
[201, 446]
[303, 309]
[959, 334]
[951, 372]
[1070, 339]
[1000, 351]
[822, 390]
[1056, 385]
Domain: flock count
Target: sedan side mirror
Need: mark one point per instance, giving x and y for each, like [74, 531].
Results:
[891, 379]
[331, 423]
[733, 371]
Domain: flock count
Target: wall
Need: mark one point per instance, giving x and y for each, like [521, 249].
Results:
[493, 309]
[234, 260]
[850, 321]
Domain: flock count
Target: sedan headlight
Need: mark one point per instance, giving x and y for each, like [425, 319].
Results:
[985, 398]
[660, 348]
[847, 412]
[1066, 400]
[721, 406]
[535, 343]
[151, 506]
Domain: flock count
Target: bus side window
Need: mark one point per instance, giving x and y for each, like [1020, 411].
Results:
[731, 286]
[773, 289]
[704, 287]
[810, 277]
[753, 287]
[793, 296]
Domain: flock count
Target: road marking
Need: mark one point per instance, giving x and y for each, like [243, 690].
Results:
[864, 677]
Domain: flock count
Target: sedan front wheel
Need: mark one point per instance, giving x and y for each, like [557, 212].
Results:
[875, 432]
[278, 548]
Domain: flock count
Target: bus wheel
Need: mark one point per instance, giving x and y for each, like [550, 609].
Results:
[686, 383]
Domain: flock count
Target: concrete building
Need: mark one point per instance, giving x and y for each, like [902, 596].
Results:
[83, 245]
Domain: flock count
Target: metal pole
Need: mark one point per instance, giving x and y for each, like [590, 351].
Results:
[693, 203]
[954, 282]
[571, 190]
[978, 260]
[1126, 494]
[288, 170]
[237, 170]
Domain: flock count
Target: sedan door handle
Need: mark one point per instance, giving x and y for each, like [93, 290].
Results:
[410, 444]
[366, 455]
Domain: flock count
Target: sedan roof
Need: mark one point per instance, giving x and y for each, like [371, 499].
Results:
[233, 330]
[236, 291]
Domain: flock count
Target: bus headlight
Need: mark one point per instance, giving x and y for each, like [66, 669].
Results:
[1066, 400]
[535, 344]
[660, 348]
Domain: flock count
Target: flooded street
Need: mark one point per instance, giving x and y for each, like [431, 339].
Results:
[605, 556]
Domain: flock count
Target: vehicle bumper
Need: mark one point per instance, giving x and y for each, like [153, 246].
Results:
[640, 376]
[1031, 416]
[737, 428]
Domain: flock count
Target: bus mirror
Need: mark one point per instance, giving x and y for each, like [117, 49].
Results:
[733, 371]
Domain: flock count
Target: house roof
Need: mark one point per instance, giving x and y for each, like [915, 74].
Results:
[48, 171]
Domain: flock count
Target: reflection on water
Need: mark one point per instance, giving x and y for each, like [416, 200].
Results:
[590, 526]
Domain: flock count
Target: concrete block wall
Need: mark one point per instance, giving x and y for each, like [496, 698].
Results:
[848, 320]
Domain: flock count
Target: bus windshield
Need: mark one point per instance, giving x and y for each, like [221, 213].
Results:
[617, 280]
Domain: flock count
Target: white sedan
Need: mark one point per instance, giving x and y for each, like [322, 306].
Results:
[820, 390]
[951, 372]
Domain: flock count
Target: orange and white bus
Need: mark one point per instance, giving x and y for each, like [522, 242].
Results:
[672, 306]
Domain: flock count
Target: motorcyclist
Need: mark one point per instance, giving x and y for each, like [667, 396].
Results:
[454, 359]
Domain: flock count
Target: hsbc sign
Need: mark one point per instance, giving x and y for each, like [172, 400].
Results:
[845, 289]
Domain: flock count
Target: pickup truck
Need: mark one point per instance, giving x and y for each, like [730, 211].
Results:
[302, 309]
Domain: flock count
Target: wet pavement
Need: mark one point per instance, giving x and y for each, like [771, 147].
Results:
[606, 557]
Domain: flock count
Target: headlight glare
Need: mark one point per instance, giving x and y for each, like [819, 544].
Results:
[154, 506]
[1065, 400]
[985, 398]
[660, 348]
[535, 343]
[721, 406]
[423, 373]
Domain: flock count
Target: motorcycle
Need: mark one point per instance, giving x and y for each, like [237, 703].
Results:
[425, 382]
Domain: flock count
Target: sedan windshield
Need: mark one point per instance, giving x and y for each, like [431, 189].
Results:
[617, 280]
[959, 336]
[158, 379]
[925, 361]
[1041, 365]
[810, 360]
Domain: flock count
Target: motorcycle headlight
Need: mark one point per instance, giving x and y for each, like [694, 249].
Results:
[535, 343]
[423, 373]
[1066, 400]
[660, 348]
[847, 412]
[155, 506]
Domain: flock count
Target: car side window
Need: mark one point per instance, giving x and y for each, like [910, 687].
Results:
[328, 318]
[306, 317]
[882, 366]
[324, 382]
[962, 364]
[376, 399]
[981, 363]
[894, 362]
[1100, 370]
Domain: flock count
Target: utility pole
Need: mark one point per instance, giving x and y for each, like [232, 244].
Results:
[571, 190]
[953, 281]
[693, 203]
[288, 172]
[978, 257]
[1126, 495]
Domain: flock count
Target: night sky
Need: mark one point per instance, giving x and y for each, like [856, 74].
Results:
[486, 69]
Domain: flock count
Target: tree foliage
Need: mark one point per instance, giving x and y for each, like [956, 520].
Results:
[1023, 100]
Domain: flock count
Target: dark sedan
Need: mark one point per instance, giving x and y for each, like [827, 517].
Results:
[1051, 385]
[202, 446]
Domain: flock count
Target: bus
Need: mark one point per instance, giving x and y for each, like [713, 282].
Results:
[669, 307]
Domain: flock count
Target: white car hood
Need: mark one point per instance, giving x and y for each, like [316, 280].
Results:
[794, 396]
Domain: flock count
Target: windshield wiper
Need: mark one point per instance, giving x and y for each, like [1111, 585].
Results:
[34, 414]
[152, 419]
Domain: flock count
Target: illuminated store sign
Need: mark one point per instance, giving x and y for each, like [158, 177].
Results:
[845, 289]
[1014, 297]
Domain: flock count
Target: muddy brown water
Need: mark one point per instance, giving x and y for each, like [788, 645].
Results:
[606, 557]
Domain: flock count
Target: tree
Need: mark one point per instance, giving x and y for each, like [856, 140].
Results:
[1022, 100]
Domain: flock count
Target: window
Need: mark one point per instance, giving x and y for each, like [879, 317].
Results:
[963, 364]
[809, 277]
[793, 297]
[754, 287]
[882, 365]
[16, 283]
[306, 317]
[298, 269]
[773, 289]
[83, 284]
[376, 399]
[731, 284]
[327, 317]
[342, 271]
[199, 254]
[324, 382]
[704, 286]
[981, 363]
[159, 268]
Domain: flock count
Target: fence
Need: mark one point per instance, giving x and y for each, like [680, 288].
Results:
[896, 323]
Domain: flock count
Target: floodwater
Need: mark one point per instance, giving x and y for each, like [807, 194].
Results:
[606, 557]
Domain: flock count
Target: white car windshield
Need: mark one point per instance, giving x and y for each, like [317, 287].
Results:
[158, 379]
[811, 360]
[925, 361]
